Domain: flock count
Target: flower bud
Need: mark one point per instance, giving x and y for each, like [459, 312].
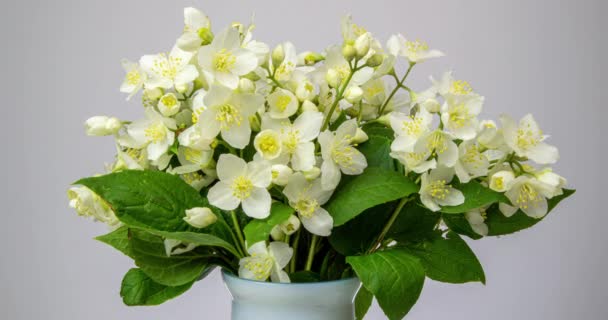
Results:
[431, 105]
[200, 217]
[375, 60]
[153, 94]
[308, 105]
[277, 234]
[102, 126]
[281, 174]
[501, 180]
[255, 123]
[290, 226]
[362, 45]
[206, 36]
[385, 120]
[359, 137]
[168, 105]
[349, 52]
[278, 55]
[312, 57]
[353, 94]
[333, 78]
[305, 90]
[182, 87]
[312, 174]
[246, 86]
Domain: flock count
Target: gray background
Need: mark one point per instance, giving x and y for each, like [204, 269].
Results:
[60, 65]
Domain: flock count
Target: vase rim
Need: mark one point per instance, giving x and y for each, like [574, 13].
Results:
[277, 284]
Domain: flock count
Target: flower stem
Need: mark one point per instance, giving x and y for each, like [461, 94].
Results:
[239, 233]
[296, 242]
[311, 252]
[388, 225]
[338, 97]
[397, 87]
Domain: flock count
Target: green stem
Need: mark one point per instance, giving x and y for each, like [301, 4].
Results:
[397, 87]
[239, 233]
[296, 242]
[388, 225]
[338, 97]
[311, 252]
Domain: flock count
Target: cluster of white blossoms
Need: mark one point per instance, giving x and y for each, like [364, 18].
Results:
[227, 113]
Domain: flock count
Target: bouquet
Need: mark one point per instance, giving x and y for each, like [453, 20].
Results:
[299, 167]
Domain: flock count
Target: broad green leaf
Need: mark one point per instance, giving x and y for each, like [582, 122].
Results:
[149, 254]
[378, 129]
[140, 290]
[498, 224]
[394, 277]
[201, 239]
[118, 239]
[373, 187]
[377, 152]
[363, 301]
[357, 235]
[475, 196]
[413, 223]
[259, 229]
[448, 259]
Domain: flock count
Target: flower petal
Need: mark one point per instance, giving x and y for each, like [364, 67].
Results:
[257, 205]
[220, 195]
[230, 166]
[320, 223]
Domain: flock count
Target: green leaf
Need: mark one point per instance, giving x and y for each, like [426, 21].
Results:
[377, 152]
[149, 254]
[363, 301]
[449, 259]
[118, 239]
[394, 277]
[373, 187]
[140, 290]
[475, 196]
[201, 239]
[460, 225]
[498, 224]
[358, 234]
[259, 229]
[378, 129]
[304, 277]
[413, 223]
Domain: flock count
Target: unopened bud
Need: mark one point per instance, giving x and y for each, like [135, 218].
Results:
[349, 52]
[312, 57]
[312, 173]
[278, 55]
[353, 94]
[362, 45]
[153, 94]
[333, 78]
[359, 137]
[246, 85]
[375, 60]
[206, 36]
[200, 217]
[290, 226]
[308, 105]
[102, 126]
[280, 174]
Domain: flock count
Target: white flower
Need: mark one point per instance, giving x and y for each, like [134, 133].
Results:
[89, 204]
[297, 138]
[228, 112]
[471, 162]
[283, 104]
[476, 219]
[200, 217]
[526, 139]
[459, 115]
[281, 174]
[353, 94]
[335, 61]
[307, 197]
[408, 129]
[224, 60]
[193, 160]
[529, 195]
[284, 69]
[447, 85]
[414, 51]
[362, 44]
[242, 182]
[552, 179]
[196, 30]
[168, 105]
[196, 137]
[501, 180]
[168, 71]
[441, 144]
[435, 190]
[154, 132]
[350, 30]
[102, 126]
[286, 228]
[489, 136]
[268, 144]
[265, 262]
[134, 79]
[417, 162]
[339, 155]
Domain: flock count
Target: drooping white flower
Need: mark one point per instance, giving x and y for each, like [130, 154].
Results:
[476, 219]
[413, 161]
[415, 51]
[448, 86]
[287, 228]
[441, 144]
[307, 197]
[172, 71]
[264, 262]
[436, 191]
[281, 174]
[228, 112]
[459, 115]
[339, 155]
[102, 126]
[197, 30]
[192, 160]
[489, 136]
[529, 195]
[224, 60]
[168, 104]
[408, 129]
[501, 180]
[283, 104]
[297, 137]
[134, 79]
[242, 183]
[527, 140]
[89, 204]
[471, 162]
[200, 217]
[154, 132]
[196, 137]
[552, 179]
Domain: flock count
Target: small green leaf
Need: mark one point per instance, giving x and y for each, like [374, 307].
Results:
[373, 187]
[377, 152]
[449, 259]
[475, 196]
[118, 239]
[259, 229]
[394, 277]
[140, 290]
[363, 301]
